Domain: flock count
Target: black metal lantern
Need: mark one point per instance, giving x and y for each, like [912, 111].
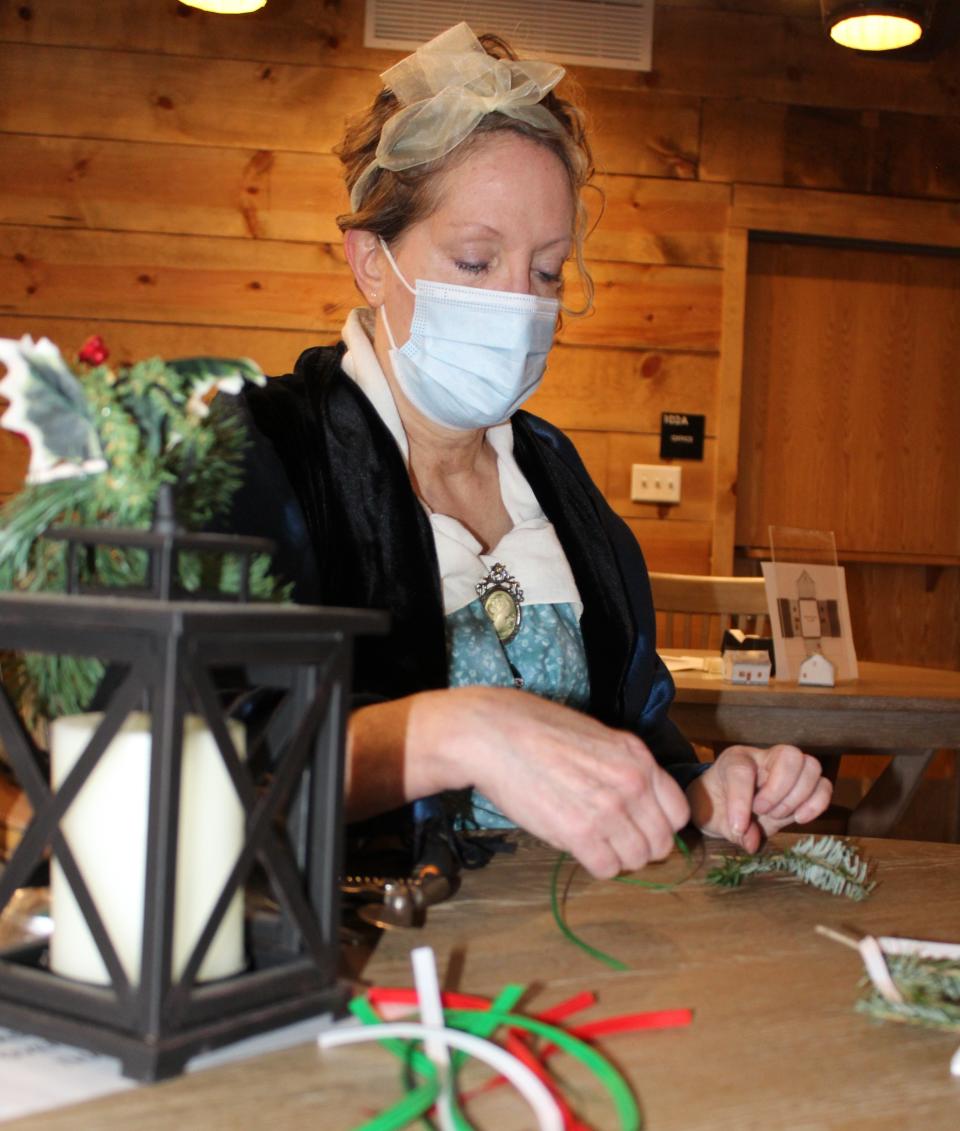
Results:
[168, 656]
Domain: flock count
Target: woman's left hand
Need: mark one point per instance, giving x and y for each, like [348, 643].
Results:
[749, 793]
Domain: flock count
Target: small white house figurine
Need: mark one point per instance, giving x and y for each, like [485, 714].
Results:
[746, 667]
[817, 671]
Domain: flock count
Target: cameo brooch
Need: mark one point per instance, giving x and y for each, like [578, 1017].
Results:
[501, 598]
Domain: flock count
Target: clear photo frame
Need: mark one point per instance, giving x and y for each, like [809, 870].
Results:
[807, 600]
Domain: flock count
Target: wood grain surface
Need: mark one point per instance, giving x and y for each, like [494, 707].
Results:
[774, 1045]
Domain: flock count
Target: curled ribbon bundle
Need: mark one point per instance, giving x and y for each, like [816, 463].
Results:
[445, 88]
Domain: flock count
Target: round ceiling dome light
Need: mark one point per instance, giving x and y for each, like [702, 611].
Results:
[225, 7]
[872, 26]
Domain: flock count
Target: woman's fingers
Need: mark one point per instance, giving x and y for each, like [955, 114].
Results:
[749, 791]
[738, 772]
[808, 810]
[582, 786]
[811, 773]
[779, 771]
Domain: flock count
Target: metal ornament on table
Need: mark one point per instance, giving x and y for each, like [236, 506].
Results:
[502, 601]
[167, 653]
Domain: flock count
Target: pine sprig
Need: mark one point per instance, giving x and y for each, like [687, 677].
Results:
[828, 863]
[930, 988]
[151, 425]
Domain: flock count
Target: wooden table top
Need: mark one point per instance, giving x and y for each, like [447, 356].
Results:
[889, 707]
[774, 1044]
[890, 686]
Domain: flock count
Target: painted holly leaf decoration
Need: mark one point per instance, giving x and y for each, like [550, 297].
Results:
[48, 406]
[201, 374]
[227, 374]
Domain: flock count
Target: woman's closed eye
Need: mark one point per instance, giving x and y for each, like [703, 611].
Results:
[478, 268]
[472, 268]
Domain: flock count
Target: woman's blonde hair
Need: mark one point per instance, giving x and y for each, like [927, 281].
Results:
[393, 200]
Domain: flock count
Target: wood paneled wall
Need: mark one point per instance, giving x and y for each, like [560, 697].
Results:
[168, 181]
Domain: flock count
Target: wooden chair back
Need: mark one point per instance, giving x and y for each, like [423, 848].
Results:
[694, 611]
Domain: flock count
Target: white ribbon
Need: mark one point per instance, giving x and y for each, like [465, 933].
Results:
[445, 88]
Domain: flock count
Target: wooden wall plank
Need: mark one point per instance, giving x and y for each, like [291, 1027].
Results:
[272, 284]
[675, 547]
[718, 54]
[917, 156]
[14, 457]
[773, 143]
[653, 220]
[846, 216]
[826, 148]
[192, 189]
[729, 393]
[267, 194]
[626, 390]
[643, 132]
[275, 351]
[247, 104]
[644, 306]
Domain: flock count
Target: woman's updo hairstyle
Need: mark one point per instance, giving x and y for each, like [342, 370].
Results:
[393, 200]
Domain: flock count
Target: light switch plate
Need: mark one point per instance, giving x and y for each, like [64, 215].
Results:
[655, 483]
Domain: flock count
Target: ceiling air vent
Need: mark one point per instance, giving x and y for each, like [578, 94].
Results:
[594, 33]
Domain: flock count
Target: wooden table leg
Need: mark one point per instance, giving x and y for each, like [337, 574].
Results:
[887, 799]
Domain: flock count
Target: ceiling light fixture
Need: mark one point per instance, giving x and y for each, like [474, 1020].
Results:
[876, 26]
[225, 7]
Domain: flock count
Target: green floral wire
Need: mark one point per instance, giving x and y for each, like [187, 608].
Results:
[665, 885]
[556, 908]
[556, 903]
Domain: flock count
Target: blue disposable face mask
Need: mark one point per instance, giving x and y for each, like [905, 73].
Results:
[473, 355]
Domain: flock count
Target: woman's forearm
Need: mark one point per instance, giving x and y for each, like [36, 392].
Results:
[396, 753]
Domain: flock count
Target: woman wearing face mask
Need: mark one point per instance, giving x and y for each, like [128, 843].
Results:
[397, 471]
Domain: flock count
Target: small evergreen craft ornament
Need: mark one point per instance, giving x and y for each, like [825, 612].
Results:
[914, 981]
[501, 598]
[827, 862]
[103, 441]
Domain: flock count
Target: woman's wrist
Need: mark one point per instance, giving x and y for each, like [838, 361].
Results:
[414, 747]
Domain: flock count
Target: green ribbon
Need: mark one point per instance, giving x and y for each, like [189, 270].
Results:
[556, 903]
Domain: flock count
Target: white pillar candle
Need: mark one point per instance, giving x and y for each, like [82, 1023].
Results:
[106, 828]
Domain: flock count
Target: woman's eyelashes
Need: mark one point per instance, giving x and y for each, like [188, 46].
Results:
[472, 268]
[479, 269]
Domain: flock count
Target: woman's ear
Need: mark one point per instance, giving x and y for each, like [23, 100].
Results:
[362, 249]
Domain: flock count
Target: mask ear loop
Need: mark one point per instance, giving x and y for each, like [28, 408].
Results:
[383, 305]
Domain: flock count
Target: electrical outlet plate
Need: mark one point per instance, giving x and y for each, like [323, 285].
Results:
[655, 483]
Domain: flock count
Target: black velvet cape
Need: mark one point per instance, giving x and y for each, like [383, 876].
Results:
[326, 481]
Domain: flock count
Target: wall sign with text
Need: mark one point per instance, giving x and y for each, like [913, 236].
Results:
[681, 435]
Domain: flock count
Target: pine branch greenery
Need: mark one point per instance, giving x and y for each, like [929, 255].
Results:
[930, 988]
[102, 443]
[827, 862]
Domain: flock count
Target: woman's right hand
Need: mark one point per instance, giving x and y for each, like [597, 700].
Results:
[583, 787]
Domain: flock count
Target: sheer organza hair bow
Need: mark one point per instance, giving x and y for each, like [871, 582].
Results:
[445, 88]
